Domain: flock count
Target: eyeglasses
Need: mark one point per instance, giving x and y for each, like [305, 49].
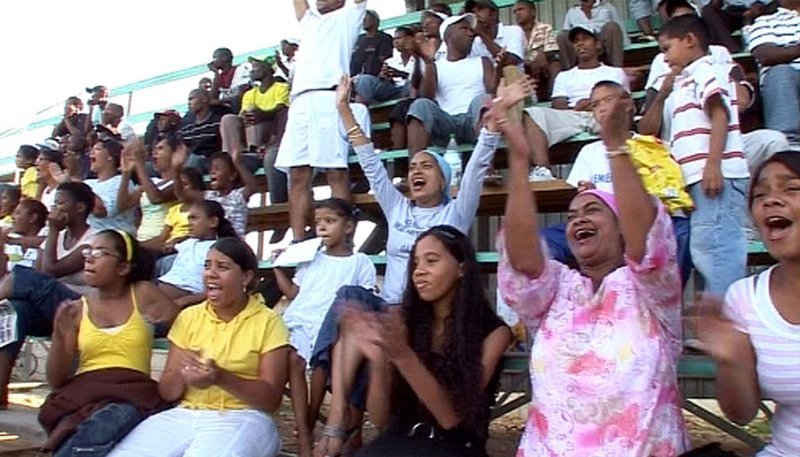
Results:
[96, 253]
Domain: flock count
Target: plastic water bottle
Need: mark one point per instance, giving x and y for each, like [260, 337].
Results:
[453, 158]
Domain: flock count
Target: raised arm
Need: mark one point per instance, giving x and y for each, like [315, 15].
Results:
[178, 159]
[127, 199]
[49, 263]
[637, 210]
[300, 8]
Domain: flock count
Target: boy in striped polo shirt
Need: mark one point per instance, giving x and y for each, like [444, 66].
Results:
[706, 142]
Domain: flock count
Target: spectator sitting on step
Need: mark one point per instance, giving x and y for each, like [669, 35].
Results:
[226, 368]
[493, 39]
[394, 80]
[200, 130]
[163, 123]
[112, 119]
[372, 48]
[428, 205]
[642, 11]
[571, 111]
[97, 103]
[10, 196]
[110, 335]
[754, 335]
[433, 361]
[774, 40]
[724, 17]
[541, 48]
[313, 137]
[312, 290]
[32, 292]
[660, 174]
[25, 161]
[230, 81]
[183, 282]
[21, 244]
[284, 60]
[618, 313]
[109, 211]
[262, 120]
[758, 144]
[74, 121]
[606, 24]
[51, 173]
[707, 143]
[231, 186]
[453, 90]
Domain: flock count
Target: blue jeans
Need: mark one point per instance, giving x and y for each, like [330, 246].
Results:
[556, 238]
[35, 297]
[440, 125]
[374, 89]
[97, 435]
[780, 89]
[718, 239]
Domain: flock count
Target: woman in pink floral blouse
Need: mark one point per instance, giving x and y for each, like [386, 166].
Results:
[606, 337]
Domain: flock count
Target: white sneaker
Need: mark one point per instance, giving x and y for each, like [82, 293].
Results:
[540, 173]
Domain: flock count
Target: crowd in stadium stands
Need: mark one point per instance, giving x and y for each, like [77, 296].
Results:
[109, 240]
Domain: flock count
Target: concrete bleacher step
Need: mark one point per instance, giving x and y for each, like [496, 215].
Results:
[552, 196]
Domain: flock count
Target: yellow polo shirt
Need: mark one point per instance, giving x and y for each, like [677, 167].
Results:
[178, 220]
[276, 95]
[235, 346]
[28, 183]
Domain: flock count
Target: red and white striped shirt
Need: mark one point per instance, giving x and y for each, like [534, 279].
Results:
[777, 346]
[691, 126]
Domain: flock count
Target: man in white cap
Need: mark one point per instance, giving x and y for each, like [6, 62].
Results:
[452, 90]
[313, 138]
[284, 59]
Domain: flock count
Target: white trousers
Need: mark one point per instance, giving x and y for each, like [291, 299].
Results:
[202, 433]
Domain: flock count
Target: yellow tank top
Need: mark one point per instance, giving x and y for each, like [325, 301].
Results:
[127, 346]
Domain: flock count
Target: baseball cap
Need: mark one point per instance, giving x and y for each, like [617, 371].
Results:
[168, 113]
[291, 40]
[469, 17]
[470, 5]
[440, 16]
[587, 28]
[268, 61]
[94, 89]
[49, 144]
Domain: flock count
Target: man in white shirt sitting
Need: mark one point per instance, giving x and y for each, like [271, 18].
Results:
[608, 25]
[453, 89]
[112, 119]
[492, 37]
[570, 112]
[394, 80]
[284, 60]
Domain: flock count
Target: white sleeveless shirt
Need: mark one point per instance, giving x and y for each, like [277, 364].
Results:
[458, 83]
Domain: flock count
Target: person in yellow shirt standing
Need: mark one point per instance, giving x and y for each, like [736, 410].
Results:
[26, 161]
[226, 368]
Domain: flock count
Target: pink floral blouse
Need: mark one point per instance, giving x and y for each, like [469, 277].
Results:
[603, 364]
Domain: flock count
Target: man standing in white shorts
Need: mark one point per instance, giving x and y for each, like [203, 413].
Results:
[313, 137]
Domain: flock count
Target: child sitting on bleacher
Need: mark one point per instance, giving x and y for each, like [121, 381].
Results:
[312, 291]
[706, 142]
[226, 368]
[105, 159]
[183, 282]
[570, 112]
[9, 199]
[110, 334]
[175, 226]
[231, 186]
[50, 166]
[26, 161]
[22, 244]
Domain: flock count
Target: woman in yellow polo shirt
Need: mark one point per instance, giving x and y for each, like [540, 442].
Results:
[227, 365]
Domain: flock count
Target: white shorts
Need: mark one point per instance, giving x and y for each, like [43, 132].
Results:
[560, 124]
[314, 133]
[303, 330]
[187, 432]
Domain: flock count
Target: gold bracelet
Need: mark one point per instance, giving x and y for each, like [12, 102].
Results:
[353, 129]
[620, 151]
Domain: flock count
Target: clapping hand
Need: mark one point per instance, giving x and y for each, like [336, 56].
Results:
[718, 335]
[67, 320]
[179, 156]
[197, 371]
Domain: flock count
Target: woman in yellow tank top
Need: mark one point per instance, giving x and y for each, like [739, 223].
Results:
[111, 334]
[227, 365]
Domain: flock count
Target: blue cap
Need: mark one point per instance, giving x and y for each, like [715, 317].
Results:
[447, 173]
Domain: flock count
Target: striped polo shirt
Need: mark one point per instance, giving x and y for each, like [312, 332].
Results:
[777, 346]
[691, 126]
[781, 28]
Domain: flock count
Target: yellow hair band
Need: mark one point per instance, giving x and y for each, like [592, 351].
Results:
[128, 244]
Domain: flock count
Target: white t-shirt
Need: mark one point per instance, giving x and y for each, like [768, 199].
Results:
[114, 220]
[777, 346]
[592, 165]
[576, 84]
[289, 64]
[327, 44]
[781, 29]
[75, 281]
[187, 270]
[48, 198]
[396, 62]
[511, 37]
[458, 83]
[603, 12]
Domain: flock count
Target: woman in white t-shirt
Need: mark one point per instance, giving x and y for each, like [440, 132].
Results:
[756, 340]
[104, 160]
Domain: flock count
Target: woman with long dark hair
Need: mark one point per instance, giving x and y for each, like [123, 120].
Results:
[432, 361]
